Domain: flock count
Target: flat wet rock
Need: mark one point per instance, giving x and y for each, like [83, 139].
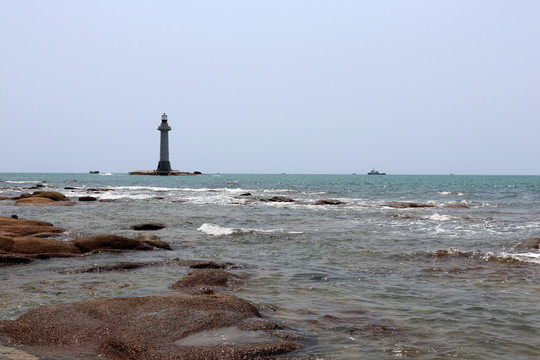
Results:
[152, 327]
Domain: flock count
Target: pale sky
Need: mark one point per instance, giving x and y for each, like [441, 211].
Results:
[337, 87]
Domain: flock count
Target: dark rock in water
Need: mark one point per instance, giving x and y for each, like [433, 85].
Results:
[153, 240]
[87, 198]
[152, 327]
[407, 205]
[533, 243]
[107, 200]
[107, 268]
[206, 281]
[14, 216]
[29, 239]
[70, 188]
[148, 226]
[34, 245]
[329, 202]
[210, 265]
[246, 194]
[197, 173]
[278, 199]
[109, 242]
[458, 206]
[13, 260]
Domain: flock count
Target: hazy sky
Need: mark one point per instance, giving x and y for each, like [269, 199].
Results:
[408, 87]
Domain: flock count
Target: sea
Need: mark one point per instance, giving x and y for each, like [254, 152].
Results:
[375, 274]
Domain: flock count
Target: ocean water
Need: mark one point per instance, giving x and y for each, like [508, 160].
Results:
[359, 280]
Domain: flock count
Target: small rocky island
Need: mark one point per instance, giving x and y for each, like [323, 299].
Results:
[171, 173]
[164, 165]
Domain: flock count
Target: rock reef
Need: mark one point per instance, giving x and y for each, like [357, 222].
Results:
[173, 326]
[22, 240]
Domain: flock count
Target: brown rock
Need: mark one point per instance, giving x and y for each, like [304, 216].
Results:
[34, 245]
[87, 198]
[53, 195]
[278, 199]
[109, 242]
[153, 240]
[151, 327]
[329, 202]
[42, 201]
[458, 206]
[148, 226]
[27, 237]
[533, 243]
[406, 205]
[21, 227]
[206, 281]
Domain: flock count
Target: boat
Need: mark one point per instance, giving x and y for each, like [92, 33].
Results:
[375, 172]
[94, 172]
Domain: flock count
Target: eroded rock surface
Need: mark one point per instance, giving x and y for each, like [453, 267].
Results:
[193, 327]
[22, 239]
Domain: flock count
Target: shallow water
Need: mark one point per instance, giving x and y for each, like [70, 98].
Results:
[357, 280]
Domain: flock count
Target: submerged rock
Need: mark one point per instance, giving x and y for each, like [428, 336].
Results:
[533, 243]
[205, 281]
[407, 205]
[458, 206]
[278, 199]
[13, 260]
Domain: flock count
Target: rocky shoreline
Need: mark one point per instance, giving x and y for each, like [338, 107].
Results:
[188, 325]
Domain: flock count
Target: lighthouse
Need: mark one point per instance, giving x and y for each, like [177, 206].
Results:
[164, 165]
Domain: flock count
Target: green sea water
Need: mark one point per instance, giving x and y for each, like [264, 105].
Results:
[363, 279]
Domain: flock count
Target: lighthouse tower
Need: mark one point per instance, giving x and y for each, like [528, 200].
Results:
[164, 165]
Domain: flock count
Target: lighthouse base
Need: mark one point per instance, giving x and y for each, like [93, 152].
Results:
[171, 173]
[164, 167]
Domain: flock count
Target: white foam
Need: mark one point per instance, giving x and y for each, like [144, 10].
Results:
[439, 217]
[533, 257]
[216, 230]
[22, 181]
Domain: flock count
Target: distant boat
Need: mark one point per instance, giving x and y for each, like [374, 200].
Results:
[375, 172]
[94, 172]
